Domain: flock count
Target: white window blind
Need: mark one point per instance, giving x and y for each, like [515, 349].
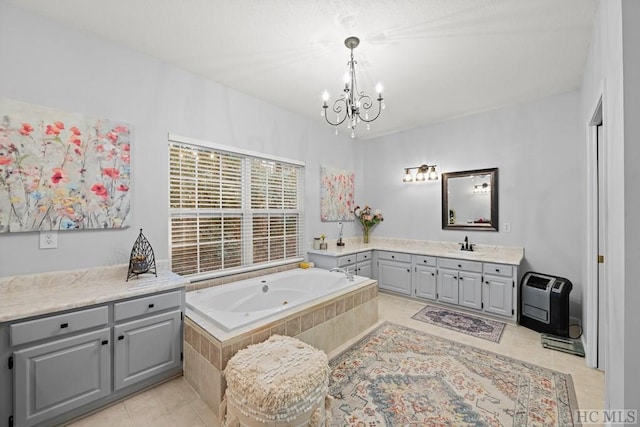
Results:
[232, 210]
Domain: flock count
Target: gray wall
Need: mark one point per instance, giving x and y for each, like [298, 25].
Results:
[46, 64]
[534, 146]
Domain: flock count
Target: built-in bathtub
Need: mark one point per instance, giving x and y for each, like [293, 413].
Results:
[242, 303]
[215, 327]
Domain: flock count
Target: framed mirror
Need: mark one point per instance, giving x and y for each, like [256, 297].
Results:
[470, 200]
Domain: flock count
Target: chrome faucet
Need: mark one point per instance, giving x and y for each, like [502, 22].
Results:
[347, 273]
[466, 246]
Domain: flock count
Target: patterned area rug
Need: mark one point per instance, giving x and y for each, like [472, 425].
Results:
[397, 376]
[467, 324]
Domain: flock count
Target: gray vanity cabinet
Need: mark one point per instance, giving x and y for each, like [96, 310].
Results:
[425, 277]
[146, 347]
[357, 263]
[447, 281]
[394, 272]
[64, 365]
[58, 376]
[498, 292]
[460, 282]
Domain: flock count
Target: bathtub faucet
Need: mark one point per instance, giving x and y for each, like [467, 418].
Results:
[347, 273]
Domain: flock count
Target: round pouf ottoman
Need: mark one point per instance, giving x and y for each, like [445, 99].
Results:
[279, 382]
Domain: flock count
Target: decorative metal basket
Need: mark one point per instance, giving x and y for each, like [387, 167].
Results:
[142, 259]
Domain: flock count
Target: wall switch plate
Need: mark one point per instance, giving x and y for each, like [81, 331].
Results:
[48, 239]
[506, 227]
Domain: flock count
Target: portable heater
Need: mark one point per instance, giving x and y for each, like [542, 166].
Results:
[545, 303]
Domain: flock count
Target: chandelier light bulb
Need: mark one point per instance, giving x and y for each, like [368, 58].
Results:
[408, 177]
[353, 133]
[379, 88]
[325, 96]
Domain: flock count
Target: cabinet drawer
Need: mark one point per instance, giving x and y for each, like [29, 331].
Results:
[147, 305]
[425, 260]
[394, 256]
[459, 264]
[54, 326]
[346, 260]
[498, 269]
[363, 256]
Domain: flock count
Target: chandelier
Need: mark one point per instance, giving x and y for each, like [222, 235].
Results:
[353, 106]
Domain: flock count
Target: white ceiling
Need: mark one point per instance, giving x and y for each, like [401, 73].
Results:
[437, 59]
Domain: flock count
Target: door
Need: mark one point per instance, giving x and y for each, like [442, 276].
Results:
[426, 282]
[601, 293]
[364, 269]
[470, 290]
[146, 347]
[61, 375]
[447, 285]
[394, 276]
[498, 295]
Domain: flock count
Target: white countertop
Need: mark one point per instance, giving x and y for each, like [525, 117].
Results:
[483, 253]
[46, 293]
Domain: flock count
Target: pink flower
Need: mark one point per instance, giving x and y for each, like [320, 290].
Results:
[126, 147]
[58, 175]
[99, 148]
[121, 129]
[26, 129]
[78, 152]
[52, 130]
[99, 190]
[5, 160]
[112, 136]
[123, 187]
[112, 173]
[75, 140]
[75, 131]
[59, 125]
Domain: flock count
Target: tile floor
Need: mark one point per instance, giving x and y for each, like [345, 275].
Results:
[174, 403]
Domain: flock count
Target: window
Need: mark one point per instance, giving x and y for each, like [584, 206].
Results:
[232, 210]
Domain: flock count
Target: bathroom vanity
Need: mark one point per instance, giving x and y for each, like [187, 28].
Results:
[483, 280]
[73, 342]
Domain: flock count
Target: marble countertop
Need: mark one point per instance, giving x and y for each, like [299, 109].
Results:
[483, 253]
[47, 293]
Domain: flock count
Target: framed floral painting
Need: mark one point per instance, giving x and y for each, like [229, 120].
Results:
[62, 171]
[336, 194]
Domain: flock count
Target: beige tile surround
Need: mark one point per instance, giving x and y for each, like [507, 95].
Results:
[326, 326]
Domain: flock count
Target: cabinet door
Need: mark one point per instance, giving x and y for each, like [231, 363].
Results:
[498, 295]
[394, 276]
[470, 289]
[364, 269]
[53, 378]
[146, 347]
[447, 285]
[426, 282]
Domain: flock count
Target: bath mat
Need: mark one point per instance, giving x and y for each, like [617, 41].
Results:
[397, 376]
[490, 330]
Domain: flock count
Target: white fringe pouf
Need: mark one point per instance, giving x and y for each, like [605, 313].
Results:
[279, 382]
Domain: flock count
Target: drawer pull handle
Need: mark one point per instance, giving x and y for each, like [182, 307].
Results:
[393, 256]
[424, 260]
[433, 274]
[120, 338]
[487, 282]
[459, 265]
[151, 305]
[462, 278]
[64, 325]
[408, 270]
[105, 342]
[497, 270]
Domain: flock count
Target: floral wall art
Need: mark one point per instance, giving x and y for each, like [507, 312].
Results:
[336, 194]
[62, 171]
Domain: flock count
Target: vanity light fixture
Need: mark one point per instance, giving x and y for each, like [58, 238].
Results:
[484, 188]
[423, 173]
[353, 105]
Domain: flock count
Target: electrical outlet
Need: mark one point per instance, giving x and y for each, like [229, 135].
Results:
[506, 227]
[48, 239]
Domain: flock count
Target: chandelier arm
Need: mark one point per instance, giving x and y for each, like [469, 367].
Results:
[337, 108]
[376, 116]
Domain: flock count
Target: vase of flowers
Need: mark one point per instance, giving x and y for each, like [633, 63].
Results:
[368, 219]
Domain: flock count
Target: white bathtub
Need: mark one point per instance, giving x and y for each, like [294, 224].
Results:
[238, 304]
